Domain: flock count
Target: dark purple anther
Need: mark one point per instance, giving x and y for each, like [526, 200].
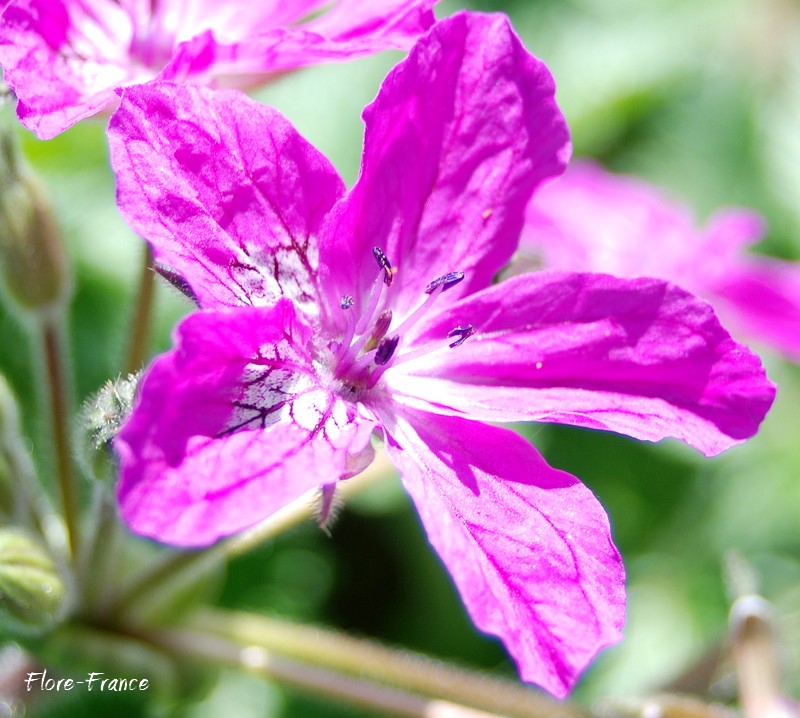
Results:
[347, 302]
[463, 333]
[385, 265]
[386, 349]
[448, 280]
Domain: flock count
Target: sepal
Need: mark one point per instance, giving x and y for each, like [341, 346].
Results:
[33, 594]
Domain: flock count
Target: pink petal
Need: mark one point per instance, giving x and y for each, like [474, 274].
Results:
[460, 134]
[226, 191]
[528, 547]
[592, 220]
[636, 356]
[354, 27]
[231, 21]
[64, 59]
[761, 297]
[381, 23]
[348, 30]
[728, 233]
[140, 11]
[230, 426]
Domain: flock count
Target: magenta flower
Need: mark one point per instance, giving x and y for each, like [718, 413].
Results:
[592, 220]
[64, 59]
[330, 318]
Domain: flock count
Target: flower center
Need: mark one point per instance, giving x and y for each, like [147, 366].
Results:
[373, 341]
[153, 44]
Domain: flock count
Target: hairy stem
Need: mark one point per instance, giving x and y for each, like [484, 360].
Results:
[58, 404]
[140, 334]
[97, 566]
[364, 693]
[369, 660]
[30, 505]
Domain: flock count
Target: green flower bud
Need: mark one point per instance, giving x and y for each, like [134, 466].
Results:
[108, 408]
[103, 415]
[33, 265]
[32, 591]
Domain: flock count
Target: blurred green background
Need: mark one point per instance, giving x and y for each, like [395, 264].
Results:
[699, 96]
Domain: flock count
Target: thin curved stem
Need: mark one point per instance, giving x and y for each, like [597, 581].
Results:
[58, 404]
[332, 651]
[97, 566]
[142, 317]
[29, 505]
[366, 694]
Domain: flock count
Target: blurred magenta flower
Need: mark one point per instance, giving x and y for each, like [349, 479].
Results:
[330, 317]
[593, 220]
[64, 59]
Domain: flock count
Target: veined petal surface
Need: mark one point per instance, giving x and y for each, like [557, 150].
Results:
[761, 295]
[237, 45]
[230, 426]
[593, 220]
[227, 192]
[637, 356]
[390, 22]
[529, 547]
[63, 59]
[458, 137]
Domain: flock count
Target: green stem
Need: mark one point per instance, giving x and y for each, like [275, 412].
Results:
[173, 566]
[371, 661]
[58, 402]
[663, 705]
[30, 505]
[155, 577]
[140, 334]
[98, 564]
[369, 695]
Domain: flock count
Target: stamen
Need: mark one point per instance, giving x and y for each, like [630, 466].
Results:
[348, 352]
[385, 265]
[347, 302]
[417, 314]
[372, 305]
[408, 356]
[445, 282]
[463, 333]
[379, 330]
[349, 332]
[382, 324]
[386, 350]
